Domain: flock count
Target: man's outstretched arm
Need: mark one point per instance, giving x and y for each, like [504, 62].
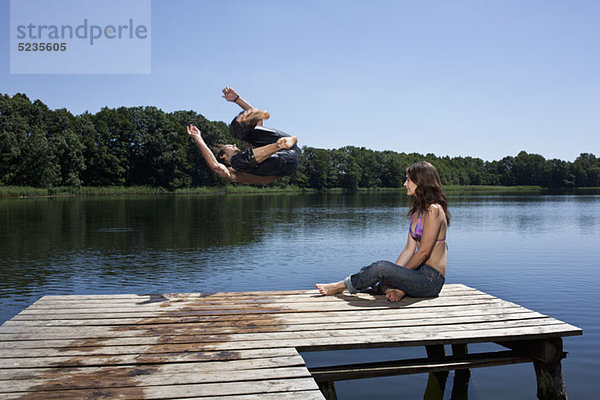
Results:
[232, 96]
[209, 157]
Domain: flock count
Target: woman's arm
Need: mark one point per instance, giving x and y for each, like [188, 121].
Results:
[232, 96]
[431, 229]
[209, 157]
[407, 252]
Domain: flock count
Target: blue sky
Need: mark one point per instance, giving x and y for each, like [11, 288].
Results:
[461, 78]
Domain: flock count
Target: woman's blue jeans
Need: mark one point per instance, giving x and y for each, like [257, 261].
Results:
[423, 281]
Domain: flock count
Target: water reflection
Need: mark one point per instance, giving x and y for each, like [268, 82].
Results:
[540, 251]
[436, 385]
[168, 222]
[528, 214]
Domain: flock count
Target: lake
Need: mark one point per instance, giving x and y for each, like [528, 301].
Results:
[540, 251]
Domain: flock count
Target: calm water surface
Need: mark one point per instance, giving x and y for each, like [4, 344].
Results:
[539, 251]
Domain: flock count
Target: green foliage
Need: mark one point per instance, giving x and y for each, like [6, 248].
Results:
[144, 147]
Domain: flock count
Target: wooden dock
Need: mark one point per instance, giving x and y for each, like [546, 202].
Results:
[246, 345]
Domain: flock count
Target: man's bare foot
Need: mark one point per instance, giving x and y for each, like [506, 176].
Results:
[287, 142]
[394, 294]
[328, 289]
[253, 116]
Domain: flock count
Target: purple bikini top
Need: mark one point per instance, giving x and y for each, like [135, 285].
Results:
[417, 234]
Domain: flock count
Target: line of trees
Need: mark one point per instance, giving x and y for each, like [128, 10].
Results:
[132, 146]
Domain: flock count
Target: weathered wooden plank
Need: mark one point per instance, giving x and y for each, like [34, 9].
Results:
[168, 368]
[299, 395]
[75, 300]
[323, 302]
[61, 360]
[349, 304]
[415, 366]
[165, 301]
[305, 317]
[476, 336]
[149, 377]
[313, 331]
[289, 322]
[447, 288]
[238, 297]
[17, 334]
[258, 293]
[172, 391]
[150, 345]
[447, 291]
[303, 395]
[232, 303]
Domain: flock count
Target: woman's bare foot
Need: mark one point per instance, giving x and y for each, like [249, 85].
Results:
[328, 289]
[287, 142]
[394, 294]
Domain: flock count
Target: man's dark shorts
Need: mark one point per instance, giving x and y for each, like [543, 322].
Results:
[282, 163]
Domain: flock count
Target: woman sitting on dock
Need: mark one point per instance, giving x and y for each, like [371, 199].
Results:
[420, 268]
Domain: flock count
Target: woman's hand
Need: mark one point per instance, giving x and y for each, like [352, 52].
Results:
[230, 94]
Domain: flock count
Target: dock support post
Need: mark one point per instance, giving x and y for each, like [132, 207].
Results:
[460, 386]
[550, 381]
[328, 390]
[436, 382]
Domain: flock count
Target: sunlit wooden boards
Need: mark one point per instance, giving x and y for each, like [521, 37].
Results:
[241, 345]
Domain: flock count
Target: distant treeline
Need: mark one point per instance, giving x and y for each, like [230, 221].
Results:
[145, 146]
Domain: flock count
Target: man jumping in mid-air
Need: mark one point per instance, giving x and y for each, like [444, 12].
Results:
[272, 154]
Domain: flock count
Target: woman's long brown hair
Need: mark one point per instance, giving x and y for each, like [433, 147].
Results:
[429, 188]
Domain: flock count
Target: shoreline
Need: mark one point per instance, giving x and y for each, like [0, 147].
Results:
[25, 192]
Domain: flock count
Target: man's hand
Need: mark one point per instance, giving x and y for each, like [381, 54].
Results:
[230, 94]
[194, 132]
